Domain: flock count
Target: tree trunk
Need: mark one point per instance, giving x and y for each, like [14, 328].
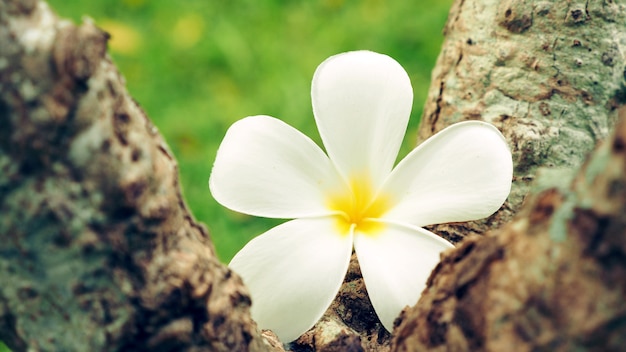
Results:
[550, 75]
[553, 279]
[98, 251]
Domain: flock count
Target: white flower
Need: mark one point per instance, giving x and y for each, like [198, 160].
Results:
[353, 197]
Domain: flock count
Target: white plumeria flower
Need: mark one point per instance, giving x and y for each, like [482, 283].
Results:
[352, 197]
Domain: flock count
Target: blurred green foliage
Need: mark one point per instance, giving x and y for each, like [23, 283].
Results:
[196, 66]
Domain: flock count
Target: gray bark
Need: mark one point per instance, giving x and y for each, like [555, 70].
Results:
[552, 279]
[548, 74]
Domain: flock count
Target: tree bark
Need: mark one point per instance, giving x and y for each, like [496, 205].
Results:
[550, 280]
[98, 251]
[550, 75]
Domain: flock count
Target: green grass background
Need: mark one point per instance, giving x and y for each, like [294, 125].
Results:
[196, 66]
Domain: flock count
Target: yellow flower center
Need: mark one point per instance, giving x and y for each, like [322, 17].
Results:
[359, 207]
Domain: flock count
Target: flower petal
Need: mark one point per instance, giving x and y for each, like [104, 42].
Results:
[395, 265]
[265, 167]
[462, 173]
[362, 101]
[294, 271]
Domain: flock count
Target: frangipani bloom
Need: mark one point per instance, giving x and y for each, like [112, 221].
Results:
[352, 197]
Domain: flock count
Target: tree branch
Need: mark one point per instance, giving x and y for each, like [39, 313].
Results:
[550, 280]
[98, 250]
[550, 75]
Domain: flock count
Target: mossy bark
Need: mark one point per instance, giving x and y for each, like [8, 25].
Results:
[98, 251]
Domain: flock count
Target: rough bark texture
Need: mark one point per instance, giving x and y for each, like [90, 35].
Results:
[548, 74]
[550, 280]
[98, 251]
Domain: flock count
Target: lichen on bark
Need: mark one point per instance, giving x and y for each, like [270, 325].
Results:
[548, 74]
